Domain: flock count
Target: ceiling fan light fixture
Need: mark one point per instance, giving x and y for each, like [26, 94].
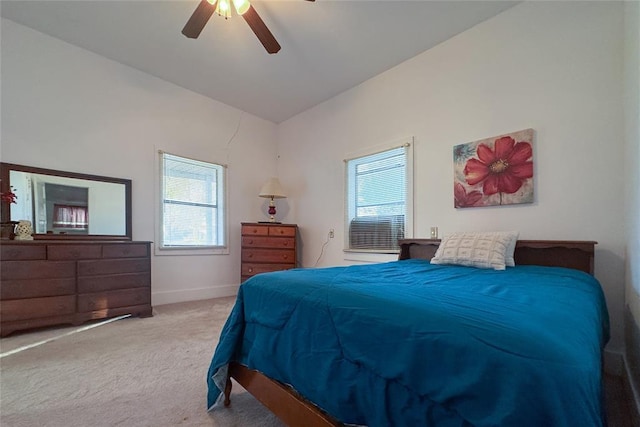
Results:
[241, 6]
[206, 8]
[223, 9]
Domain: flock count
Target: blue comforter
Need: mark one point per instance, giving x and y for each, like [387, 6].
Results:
[408, 343]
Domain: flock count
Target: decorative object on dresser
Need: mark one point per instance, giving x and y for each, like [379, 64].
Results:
[24, 230]
[6, 199]
[7, 230]
[47, 282]
[272, 189]
[267, 247]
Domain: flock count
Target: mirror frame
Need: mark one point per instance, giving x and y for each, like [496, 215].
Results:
[5, 186]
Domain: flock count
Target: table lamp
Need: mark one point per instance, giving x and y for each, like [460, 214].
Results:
[272, 190]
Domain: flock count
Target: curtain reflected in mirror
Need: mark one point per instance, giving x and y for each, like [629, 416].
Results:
[70, 217]
[68, 207]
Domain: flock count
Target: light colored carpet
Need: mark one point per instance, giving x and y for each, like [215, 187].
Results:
[131, 372]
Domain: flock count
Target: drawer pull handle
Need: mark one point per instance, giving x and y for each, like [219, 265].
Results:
[285, 256]
[250, 255]
[285, 243]
[251, 242]
[255, 230]
[251, 270]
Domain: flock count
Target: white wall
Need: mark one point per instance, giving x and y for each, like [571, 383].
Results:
[632, 156]
[632, 187]
[555, 67]
[68, 109]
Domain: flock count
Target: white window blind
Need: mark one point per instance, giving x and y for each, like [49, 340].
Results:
[378, 188]
[192, 208]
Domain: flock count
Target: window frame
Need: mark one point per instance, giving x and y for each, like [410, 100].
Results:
[222, 199]
[377, 255]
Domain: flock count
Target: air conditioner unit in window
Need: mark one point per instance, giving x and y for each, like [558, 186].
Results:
[376, 232]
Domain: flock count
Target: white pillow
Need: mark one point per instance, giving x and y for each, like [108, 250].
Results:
[476, 249]
[508, 255]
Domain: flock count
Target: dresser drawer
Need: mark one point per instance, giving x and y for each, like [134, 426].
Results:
[40, 281]
[267, 247]
[12, 270]
[32, 288]
[255, 230]
[285, 256]
[129, 250]
[268, 242]
[31, 308]
[113, 299]
[17, 252]
[113, 266]
[59, 252]
[282, 231]
[88, 284]
[249, 269]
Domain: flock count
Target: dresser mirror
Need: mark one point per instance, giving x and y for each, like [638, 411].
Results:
[67, 205]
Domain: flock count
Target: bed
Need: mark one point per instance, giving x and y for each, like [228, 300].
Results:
[413, 343]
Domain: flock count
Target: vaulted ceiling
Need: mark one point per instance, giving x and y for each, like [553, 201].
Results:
[328, 46]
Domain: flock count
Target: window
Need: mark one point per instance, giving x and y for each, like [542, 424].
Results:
[379, 199]
[192, 211]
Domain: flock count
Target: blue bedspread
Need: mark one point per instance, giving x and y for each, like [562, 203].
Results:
[407, 343]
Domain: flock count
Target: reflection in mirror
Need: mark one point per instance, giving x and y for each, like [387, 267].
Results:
[69, 205]
[58, 205]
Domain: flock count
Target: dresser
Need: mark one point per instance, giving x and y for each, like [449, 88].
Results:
[54, 282]
[267, 247]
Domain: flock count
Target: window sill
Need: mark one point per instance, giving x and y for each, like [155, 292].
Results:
[190, 251]
[369, 256]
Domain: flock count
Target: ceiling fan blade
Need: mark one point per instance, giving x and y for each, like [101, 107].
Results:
[199, 19]
[261, 31]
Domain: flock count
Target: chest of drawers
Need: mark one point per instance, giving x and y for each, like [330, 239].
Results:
[267, 247]
[46, 283]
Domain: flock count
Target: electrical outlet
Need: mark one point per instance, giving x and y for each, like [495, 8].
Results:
[434, 232]
[331, 234]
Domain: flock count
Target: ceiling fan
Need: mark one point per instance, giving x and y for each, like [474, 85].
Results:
[206, 8]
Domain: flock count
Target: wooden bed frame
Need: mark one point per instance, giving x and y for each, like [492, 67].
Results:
[294, 410]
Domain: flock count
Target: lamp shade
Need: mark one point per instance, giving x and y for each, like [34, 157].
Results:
[272, 189]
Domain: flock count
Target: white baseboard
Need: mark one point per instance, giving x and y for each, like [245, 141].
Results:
[183, 295]
[632, 393]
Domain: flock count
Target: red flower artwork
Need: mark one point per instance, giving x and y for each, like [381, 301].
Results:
[494, 171]
[502, 170]
[463, 199]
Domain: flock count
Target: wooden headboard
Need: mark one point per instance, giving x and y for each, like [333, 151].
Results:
[576, 254]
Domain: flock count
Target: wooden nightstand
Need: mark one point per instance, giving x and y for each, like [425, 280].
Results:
[267, 247]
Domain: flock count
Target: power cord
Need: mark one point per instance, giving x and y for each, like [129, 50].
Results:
[322, 249]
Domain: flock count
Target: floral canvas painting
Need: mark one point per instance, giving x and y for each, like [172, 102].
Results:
[494, 171]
